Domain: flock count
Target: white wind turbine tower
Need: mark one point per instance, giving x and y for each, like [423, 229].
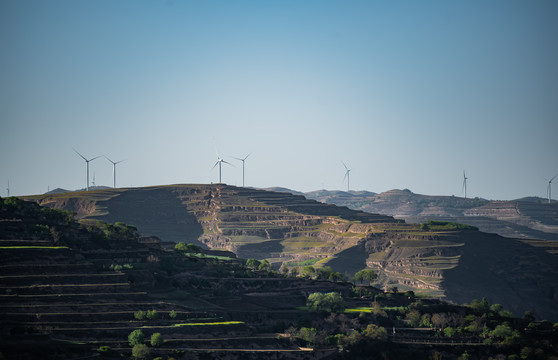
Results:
[219, 162]
[548, 189]
[464, 184]
[87, 166]
[346, 175]
[113, 170]
[242, 166]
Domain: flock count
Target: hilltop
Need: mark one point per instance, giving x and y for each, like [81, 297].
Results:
[441, 259]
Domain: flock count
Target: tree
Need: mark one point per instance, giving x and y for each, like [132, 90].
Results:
[376, 332]
[414, 317]
[377, 310]
[139, 315]
[252, 263]
[332, 302]
[449, 331]
[367, 275]
[496, 308]
[152, 314]
[308, 271]
[172, 314]
[480, 306]
[157, 340]
[264, 265]
[136, 337]
[439, 320]
[186, 248]
[294, 271]
[140, 351]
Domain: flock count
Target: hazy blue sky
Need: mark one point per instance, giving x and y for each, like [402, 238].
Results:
[407, 93]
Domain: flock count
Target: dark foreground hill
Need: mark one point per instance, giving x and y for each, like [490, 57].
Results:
[77, 290]
[438, 259]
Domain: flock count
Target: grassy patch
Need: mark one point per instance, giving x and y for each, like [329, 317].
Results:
[303, 263]
[359, 310]
[209, 323]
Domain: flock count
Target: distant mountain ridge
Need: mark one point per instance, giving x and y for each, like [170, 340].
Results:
[526, 218]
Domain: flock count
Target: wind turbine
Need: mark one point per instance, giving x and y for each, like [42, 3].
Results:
[549, 188]
[8, 188]
[346, 175]
[464, 184]
[87, 165]
[113, 170]
[220, 161]
[243, 166]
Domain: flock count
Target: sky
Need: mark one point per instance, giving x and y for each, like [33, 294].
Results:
[408, 94]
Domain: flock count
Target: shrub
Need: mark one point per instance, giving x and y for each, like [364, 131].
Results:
[264, 265]
[449, 331]
[139, 315]
[252, 263]
[104, 350]
[152, 314]
[157, 340]
[140, 351]
[376, 332]
[136, 337]
[187, 248]
[308, 334]
[172, 314]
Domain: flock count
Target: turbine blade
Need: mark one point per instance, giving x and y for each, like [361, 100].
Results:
[106, 157]
[226, 162]
[247, 156]
[215, 147]
[346, 168]
[96, 157]
[83, 157]
[215, 165]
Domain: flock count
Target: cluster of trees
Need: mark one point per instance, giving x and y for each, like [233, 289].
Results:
[445, 225]
[136, 340]
[258, 265]
[118, 231]
[149, 315]
[184, 248]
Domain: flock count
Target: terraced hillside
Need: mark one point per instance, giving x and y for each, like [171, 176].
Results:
[292, 231]
[527, 218]
[66, 290]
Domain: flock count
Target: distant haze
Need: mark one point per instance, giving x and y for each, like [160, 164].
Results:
[408, 94]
